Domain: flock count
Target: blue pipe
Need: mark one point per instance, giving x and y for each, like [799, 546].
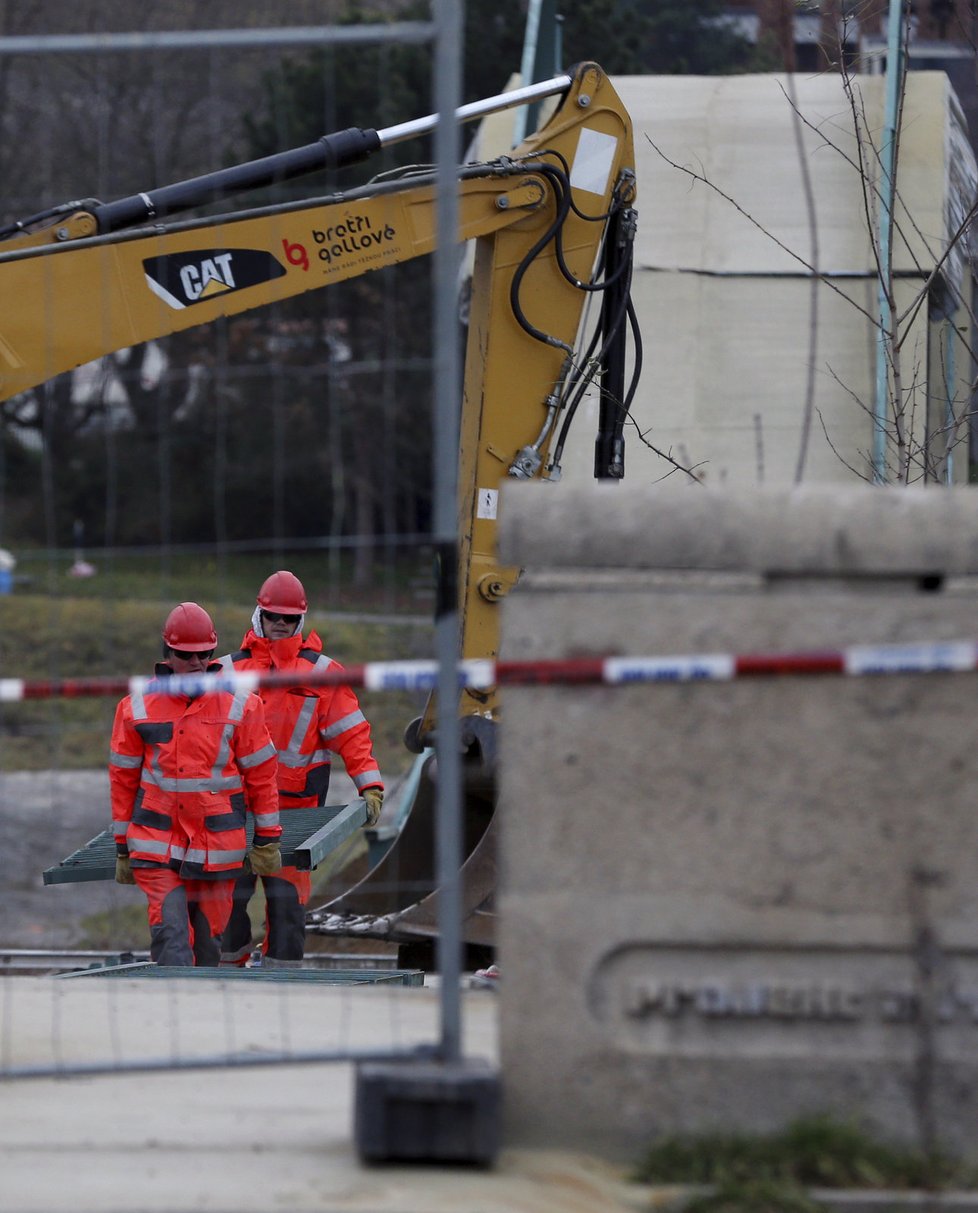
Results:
[894, 79]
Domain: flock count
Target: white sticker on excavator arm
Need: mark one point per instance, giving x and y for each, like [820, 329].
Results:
[593, 160]
[487, 504]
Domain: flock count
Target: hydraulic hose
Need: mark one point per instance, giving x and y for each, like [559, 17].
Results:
[562, 195]
[610, 329]
[328, 152]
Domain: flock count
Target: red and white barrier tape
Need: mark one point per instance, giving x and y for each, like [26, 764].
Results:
[941, 657]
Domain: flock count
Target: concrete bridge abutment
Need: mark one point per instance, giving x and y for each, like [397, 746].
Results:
[728, 904]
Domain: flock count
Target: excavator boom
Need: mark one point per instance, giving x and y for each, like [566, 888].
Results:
[552, 221]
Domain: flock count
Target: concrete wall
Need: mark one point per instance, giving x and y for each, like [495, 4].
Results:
[732, 325]
[722, 905]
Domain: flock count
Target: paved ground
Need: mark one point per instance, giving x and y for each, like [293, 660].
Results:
[44, 816]
[258, 1139]
[248, 1140]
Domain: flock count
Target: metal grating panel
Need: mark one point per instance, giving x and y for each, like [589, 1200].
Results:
[308, 836]
[330, 977]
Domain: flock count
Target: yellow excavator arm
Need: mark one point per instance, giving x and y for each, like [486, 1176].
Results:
[70, 302]
[553, 222]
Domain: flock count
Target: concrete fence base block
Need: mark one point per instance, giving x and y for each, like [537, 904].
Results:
[428, 1111]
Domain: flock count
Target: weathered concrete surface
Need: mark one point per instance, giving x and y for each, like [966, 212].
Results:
[251, 1140]
[772, 908]
[811, 530]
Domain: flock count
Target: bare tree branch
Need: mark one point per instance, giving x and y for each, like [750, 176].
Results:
[682, 168]
[809, 400]
[666, 455]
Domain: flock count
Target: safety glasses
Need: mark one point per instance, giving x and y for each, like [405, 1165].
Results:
[274, 617]
[184, 656]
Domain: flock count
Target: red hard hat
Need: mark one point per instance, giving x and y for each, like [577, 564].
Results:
[189, 628]
[283, 593]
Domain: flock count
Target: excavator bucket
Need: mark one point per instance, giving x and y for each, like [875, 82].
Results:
[398, 898]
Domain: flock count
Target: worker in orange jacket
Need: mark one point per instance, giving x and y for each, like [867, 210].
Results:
[308, 724]
[183, 771]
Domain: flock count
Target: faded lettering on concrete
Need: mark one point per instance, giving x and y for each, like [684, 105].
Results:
[773, 999]
[647, 998]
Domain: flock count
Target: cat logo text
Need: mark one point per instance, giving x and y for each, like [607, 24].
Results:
[184, 279]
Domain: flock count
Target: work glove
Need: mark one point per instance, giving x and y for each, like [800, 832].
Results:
[265, 860]
[374, 800]
[123, 870]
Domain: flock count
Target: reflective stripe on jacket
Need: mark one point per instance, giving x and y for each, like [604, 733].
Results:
[182, 774]
[308, 724]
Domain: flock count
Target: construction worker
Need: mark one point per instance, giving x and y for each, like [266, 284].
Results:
[308, 724]
[183, 771]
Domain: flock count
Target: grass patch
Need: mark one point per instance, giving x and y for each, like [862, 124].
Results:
[396, 580]
[335, 864]
[105, 930]
[755, 1196]
[754, 1173]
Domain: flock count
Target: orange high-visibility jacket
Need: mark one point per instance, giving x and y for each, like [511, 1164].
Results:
[182, 772]
[308, 724]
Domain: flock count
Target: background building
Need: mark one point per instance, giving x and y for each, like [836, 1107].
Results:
[756, 284]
